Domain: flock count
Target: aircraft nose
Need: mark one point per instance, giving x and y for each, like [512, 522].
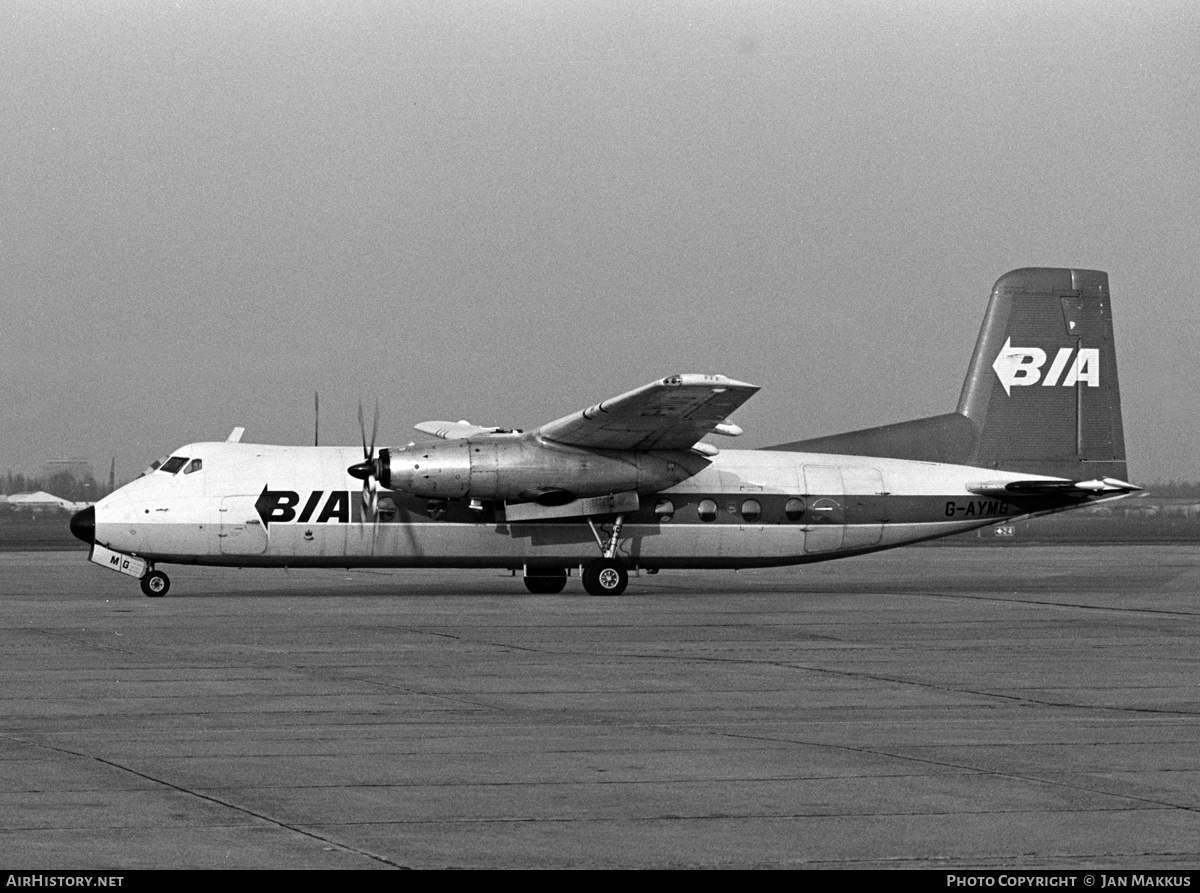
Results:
[83, 525]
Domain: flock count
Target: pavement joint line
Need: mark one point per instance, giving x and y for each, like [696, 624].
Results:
[1015, 776]
[295, 829]
[466, 639]
[1040, 702]
[713, 817]
[1049, 604]
[896, 680]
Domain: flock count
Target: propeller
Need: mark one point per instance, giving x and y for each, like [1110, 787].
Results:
[368, 470]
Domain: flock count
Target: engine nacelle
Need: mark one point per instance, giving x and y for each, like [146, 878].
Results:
[433, 471]
[508, 467]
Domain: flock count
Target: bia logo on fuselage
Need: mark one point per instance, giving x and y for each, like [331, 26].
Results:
[1022, 366]
[282, 506]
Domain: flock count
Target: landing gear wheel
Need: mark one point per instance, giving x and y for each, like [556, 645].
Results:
[605, 576]
[155, 584]
[546, 581]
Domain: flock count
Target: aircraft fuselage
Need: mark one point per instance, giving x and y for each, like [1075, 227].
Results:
[286, 506]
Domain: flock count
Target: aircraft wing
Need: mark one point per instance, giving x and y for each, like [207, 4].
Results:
[670, 414]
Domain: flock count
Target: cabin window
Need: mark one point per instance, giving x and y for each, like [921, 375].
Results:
[751, 510]
[172, 465]
[793, 509]
[195, 465]
[708, 510]
[665, 510]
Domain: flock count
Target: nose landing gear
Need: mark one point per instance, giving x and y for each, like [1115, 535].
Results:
[156, 584]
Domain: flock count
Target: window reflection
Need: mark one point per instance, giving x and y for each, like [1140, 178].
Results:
[172, 465]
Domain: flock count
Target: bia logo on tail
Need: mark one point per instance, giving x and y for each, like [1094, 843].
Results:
[1022, 366]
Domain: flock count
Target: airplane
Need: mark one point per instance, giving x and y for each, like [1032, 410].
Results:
[41, 500]
[630, 485]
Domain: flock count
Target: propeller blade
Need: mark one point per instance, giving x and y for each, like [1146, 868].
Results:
[362, 428]
[374, 429]
[367, 471]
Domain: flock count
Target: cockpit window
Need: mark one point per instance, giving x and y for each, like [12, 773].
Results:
[195, 465]
[172, 465]
[153, 466]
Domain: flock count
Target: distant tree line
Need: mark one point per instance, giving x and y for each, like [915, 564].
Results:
[1175, 489]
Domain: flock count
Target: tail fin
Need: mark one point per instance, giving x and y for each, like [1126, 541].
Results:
[1041, 395]
[1042, 390]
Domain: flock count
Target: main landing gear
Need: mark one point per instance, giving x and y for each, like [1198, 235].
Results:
[156, 584]
[606, 575]
[546, 580]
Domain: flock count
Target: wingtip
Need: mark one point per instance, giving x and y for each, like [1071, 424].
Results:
[703, 379]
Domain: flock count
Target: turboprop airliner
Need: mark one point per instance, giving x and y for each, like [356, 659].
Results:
[630, 484]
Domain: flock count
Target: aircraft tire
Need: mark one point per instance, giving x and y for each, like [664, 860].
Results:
[548, 581]
[156, 584]
[605, 576]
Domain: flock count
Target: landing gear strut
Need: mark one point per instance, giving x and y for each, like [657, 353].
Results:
[156, 584]
[606, 575]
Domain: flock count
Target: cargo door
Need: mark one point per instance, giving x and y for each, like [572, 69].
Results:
[863, 489]
[241, 531]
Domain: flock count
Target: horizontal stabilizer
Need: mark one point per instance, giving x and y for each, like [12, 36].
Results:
[615, 503]
[1053, 488]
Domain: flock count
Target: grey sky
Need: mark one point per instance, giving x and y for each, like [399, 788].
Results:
[507, 211]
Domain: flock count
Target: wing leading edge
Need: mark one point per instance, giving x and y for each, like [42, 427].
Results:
[671, 414]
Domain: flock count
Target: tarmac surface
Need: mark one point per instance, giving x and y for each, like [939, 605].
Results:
[937, 707]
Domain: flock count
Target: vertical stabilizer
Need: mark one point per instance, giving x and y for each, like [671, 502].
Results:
[1042, 389]
[1041, 394]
